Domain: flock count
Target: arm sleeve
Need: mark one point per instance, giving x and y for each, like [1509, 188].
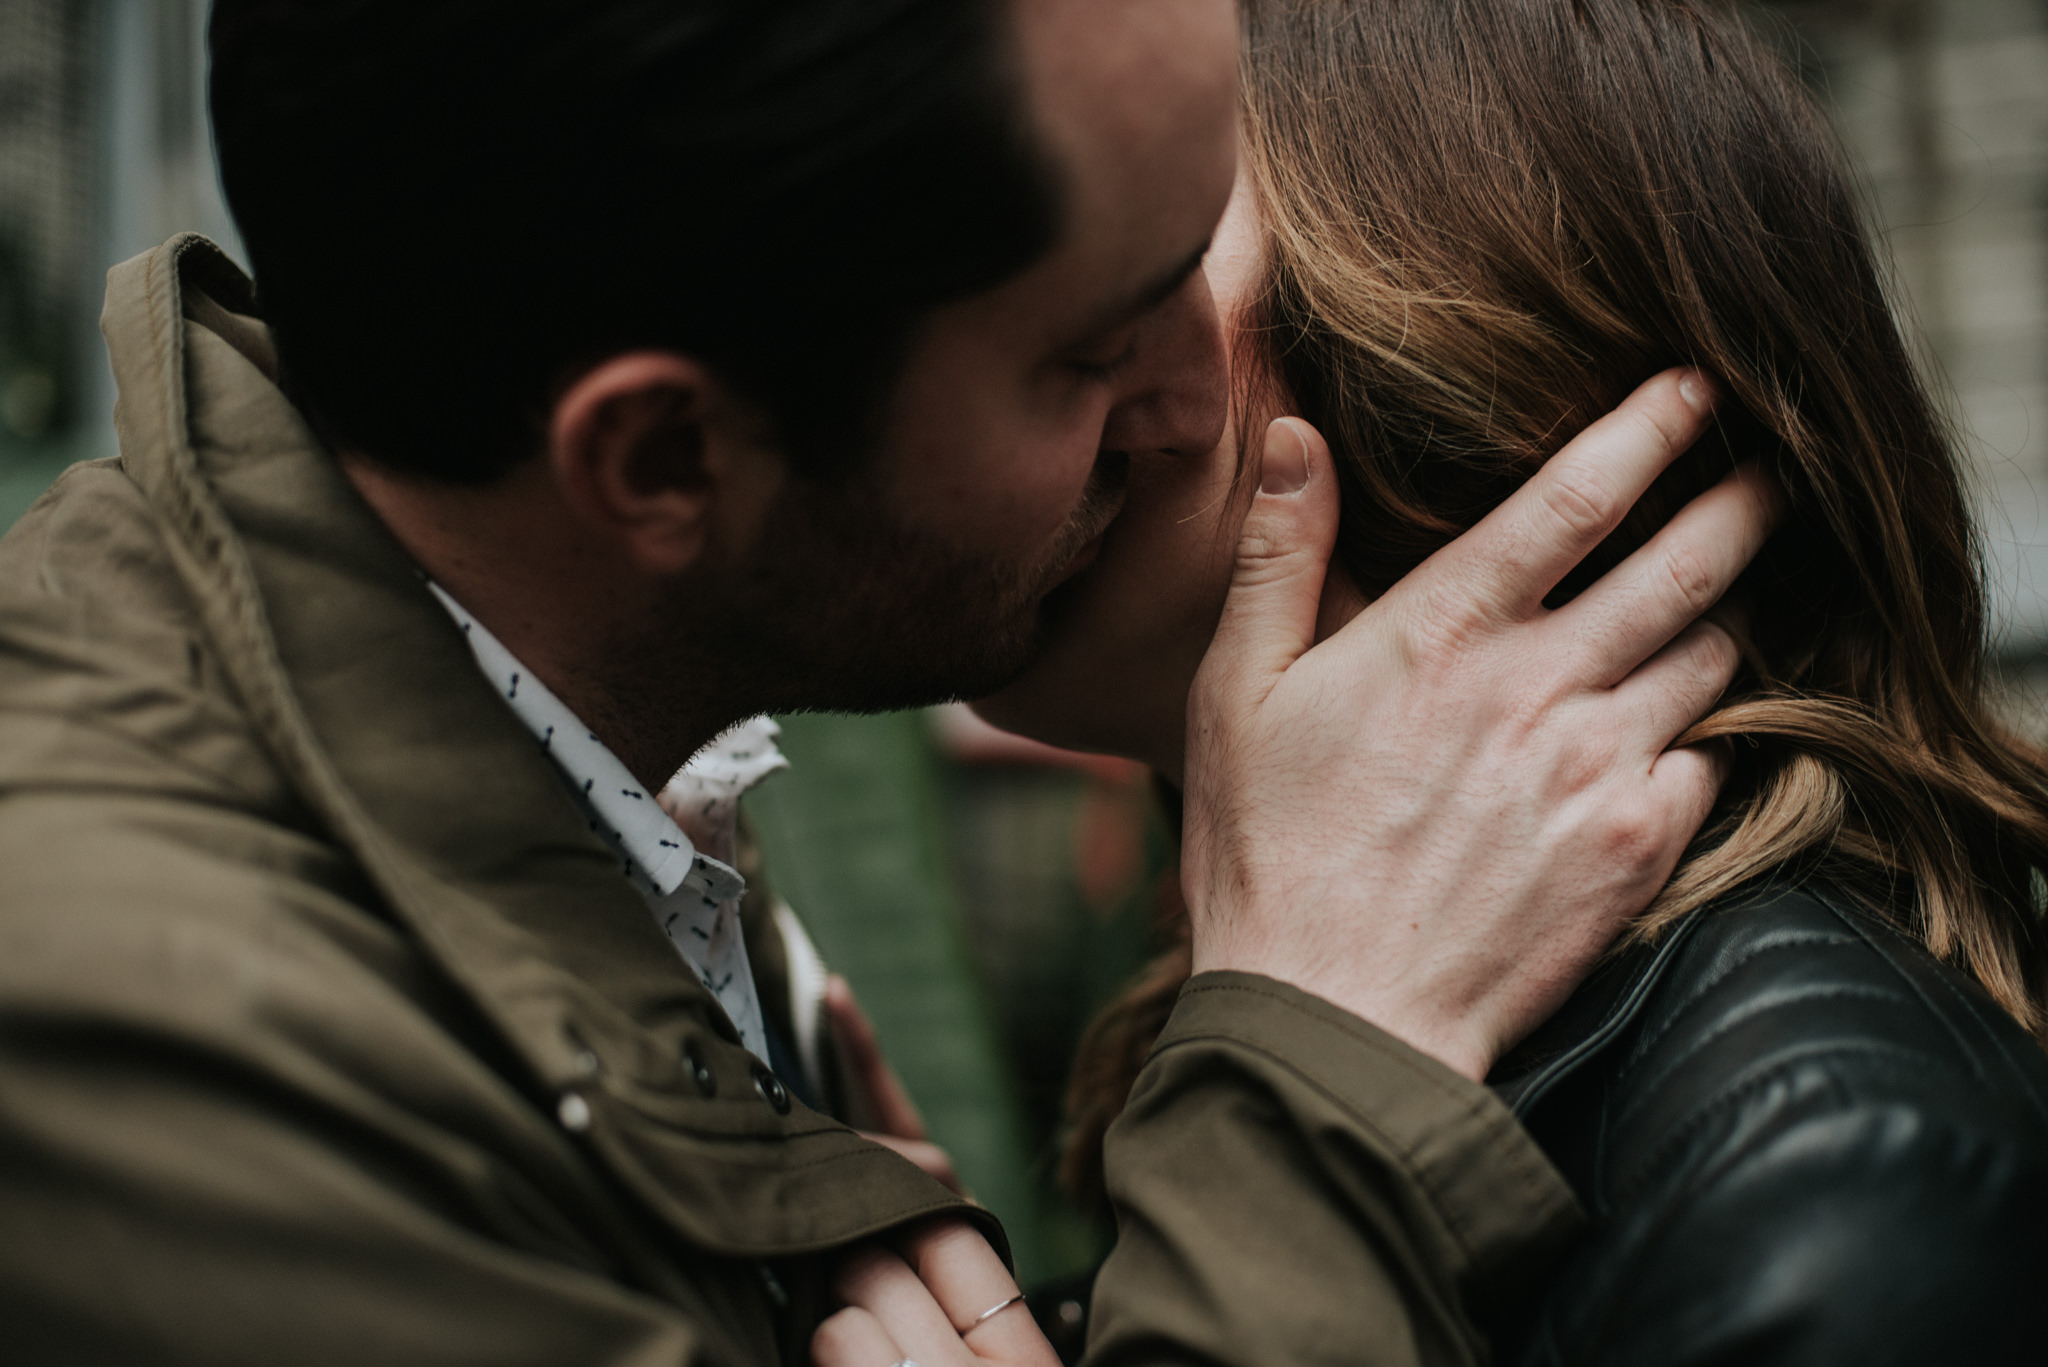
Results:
[1294, 1186]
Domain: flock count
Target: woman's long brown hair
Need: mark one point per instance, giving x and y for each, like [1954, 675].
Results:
[1485, 223]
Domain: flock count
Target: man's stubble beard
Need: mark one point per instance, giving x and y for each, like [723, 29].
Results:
[841, 609]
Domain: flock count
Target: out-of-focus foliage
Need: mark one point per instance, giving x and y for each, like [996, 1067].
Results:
[855, 842]
[960, 903]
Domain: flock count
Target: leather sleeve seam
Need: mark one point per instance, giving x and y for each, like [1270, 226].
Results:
[1683, 1133]
[1647, 1046]
[1912, 984]
[1759, 1011]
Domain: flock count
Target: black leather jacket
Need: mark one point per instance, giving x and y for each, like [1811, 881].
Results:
[1801, 1139]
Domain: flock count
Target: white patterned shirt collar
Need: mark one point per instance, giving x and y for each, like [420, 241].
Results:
[689, 884]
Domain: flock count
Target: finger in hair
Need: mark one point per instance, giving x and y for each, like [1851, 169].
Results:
[1523, 549]
[1636, 609]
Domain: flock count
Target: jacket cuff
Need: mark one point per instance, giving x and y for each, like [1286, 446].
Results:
[1496, 1193]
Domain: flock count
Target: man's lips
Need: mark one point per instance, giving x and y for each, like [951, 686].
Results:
[1088, 552]
[1101, 506]
[1086, 556]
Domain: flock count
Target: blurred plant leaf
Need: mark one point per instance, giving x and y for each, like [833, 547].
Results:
[854, 836]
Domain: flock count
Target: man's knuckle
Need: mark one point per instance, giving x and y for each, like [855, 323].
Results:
[1261, 547]
[1441, 627]
[1719, 653]
[1636, 838]
[1582, 501]
[1693, 579]
[1581, 769]
[1661, 429]
[1709, 660]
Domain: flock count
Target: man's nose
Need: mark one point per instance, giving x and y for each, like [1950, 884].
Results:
[1177, 390]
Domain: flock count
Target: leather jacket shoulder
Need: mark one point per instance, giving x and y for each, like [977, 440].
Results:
[1800, 1139]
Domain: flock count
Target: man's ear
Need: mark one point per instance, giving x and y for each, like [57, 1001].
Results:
[661, 459]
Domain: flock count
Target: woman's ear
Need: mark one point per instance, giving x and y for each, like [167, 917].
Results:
[662, 460]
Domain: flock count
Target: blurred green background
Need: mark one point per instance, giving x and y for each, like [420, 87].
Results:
[984, 909]
[982, 912]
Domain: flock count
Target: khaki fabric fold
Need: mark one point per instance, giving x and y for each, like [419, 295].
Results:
[1332, 1195]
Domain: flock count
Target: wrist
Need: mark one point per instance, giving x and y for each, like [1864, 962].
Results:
[1462, 1038]
[1457, 1043]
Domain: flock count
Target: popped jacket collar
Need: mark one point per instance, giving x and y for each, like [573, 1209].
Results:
[367, 699]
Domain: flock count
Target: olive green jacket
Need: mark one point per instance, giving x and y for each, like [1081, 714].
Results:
[329, 1034]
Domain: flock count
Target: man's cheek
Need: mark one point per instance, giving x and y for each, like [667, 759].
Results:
[1009, 505]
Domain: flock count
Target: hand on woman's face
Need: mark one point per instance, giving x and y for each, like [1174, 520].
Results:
[1126, 635]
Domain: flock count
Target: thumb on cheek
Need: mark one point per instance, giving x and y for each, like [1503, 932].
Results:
[1283, 551]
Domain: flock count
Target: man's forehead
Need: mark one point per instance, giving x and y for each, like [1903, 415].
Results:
[1135, 100]
[1129, 74]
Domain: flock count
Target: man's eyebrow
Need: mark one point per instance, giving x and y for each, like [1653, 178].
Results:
[1148, 296]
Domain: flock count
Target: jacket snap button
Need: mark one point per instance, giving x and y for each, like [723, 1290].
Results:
[701, 1074]
[573, 1112]
[771, 1089]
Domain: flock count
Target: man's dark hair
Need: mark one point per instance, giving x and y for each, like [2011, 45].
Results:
[452, 207]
